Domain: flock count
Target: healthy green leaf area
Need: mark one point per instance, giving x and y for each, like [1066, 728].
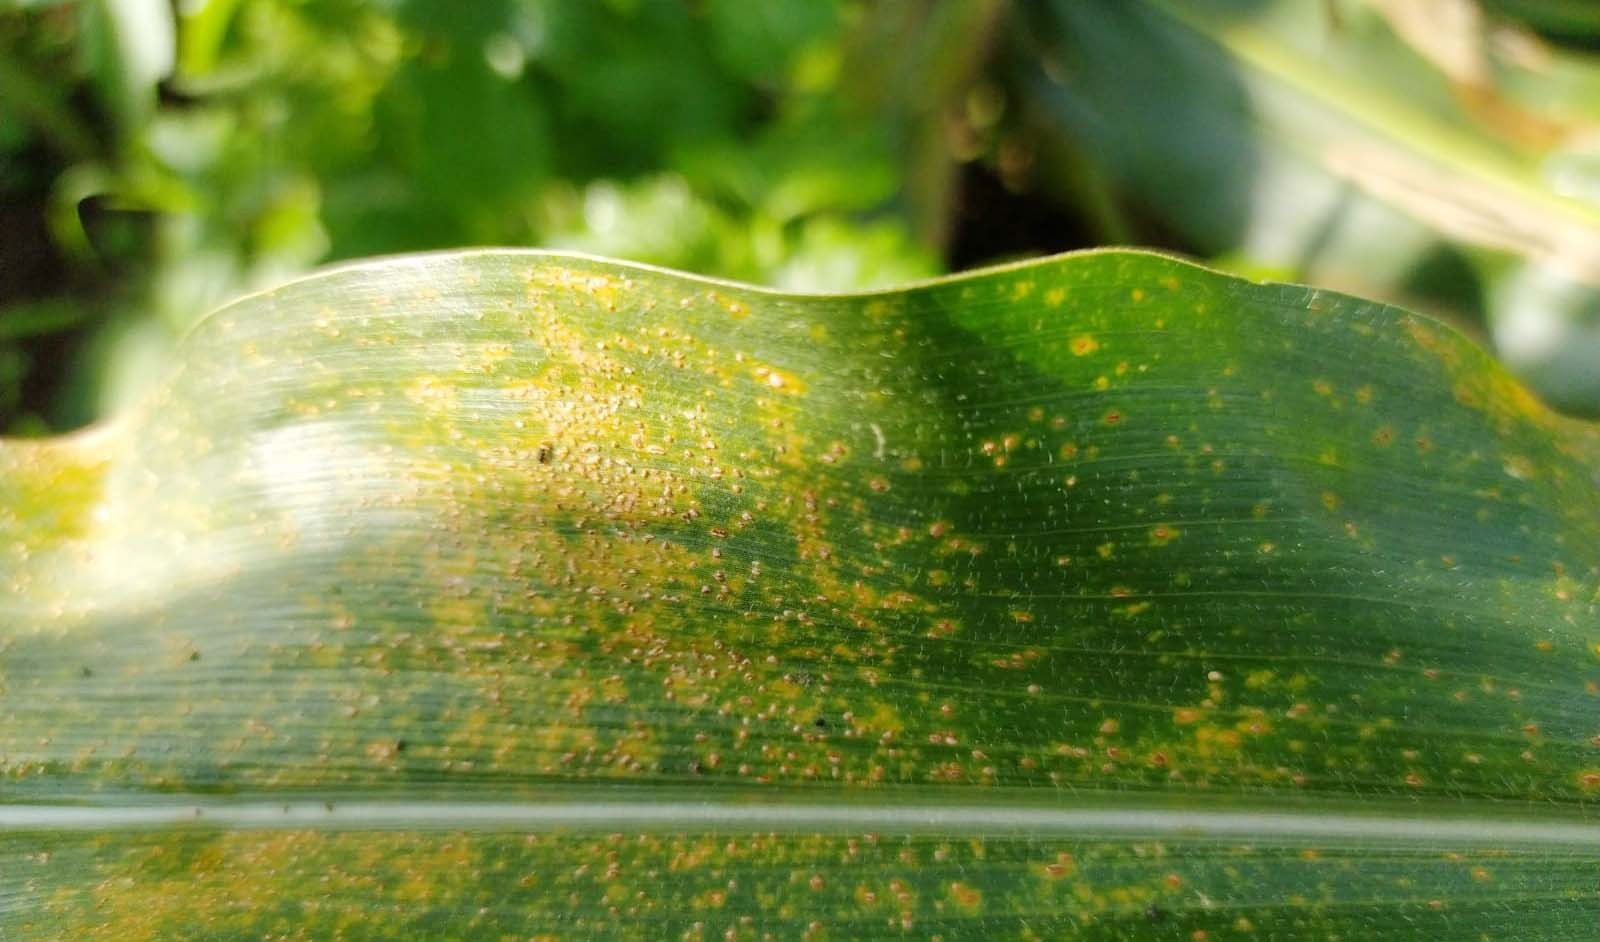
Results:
[504, 595]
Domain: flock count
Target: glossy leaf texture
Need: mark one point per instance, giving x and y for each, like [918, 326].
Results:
[506, 595]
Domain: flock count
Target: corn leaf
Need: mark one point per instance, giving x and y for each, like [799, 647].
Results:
[507, 595]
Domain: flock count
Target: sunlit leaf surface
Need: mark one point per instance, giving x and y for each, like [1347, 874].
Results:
[503, 595]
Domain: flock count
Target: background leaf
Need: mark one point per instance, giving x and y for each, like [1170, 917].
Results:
[1431, 153]
[508, 595]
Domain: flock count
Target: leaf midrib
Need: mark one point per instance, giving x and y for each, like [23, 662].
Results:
[1239, 822]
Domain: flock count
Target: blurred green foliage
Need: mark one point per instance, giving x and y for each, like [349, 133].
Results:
[173, 157]
[159, 157]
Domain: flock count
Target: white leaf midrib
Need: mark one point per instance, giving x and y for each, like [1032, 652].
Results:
[808, 817]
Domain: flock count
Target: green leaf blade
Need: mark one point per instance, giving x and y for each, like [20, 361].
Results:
[1108, 533]
[621, 885]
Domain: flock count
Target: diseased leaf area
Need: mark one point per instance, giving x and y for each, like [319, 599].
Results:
[527, 531]
[798, 886]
